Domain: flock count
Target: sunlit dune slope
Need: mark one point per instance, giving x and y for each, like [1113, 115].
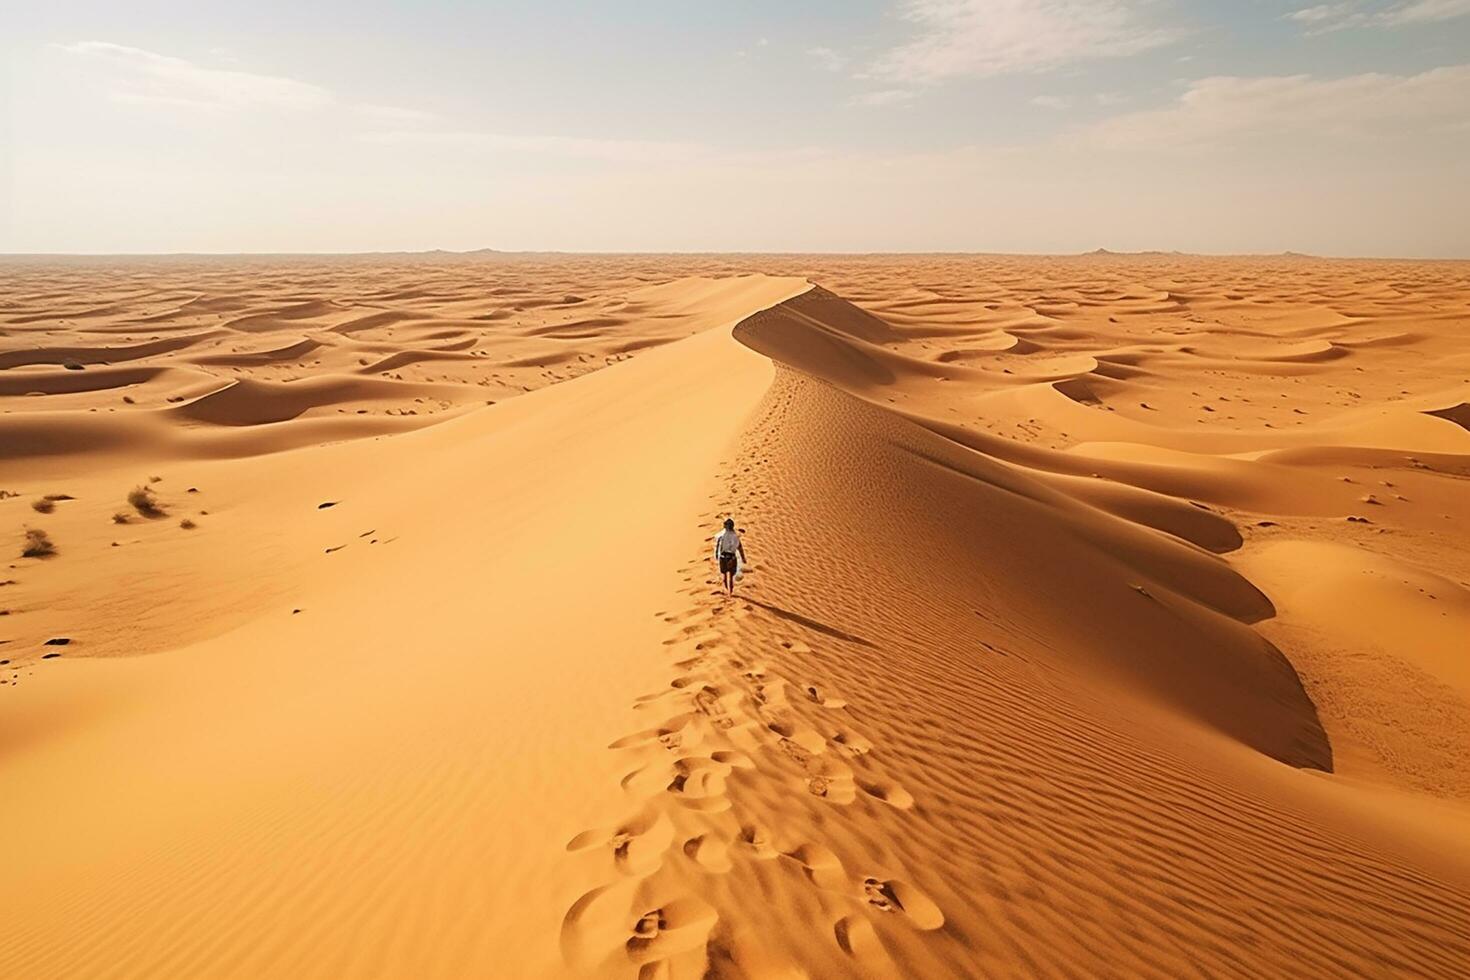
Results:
[394, 669]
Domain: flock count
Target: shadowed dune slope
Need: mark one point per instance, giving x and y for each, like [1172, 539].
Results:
[1136, 598]
[975, 751]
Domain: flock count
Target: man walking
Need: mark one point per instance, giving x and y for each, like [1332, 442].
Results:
[727, 547]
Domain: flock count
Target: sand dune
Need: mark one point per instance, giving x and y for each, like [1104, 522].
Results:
[1105, 616]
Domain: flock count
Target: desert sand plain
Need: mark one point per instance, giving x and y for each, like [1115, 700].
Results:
[1106, 615]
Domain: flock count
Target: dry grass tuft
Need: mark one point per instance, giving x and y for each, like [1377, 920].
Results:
[187, 524]
[121, 517]
[145, 502]
[38, 544]
[47, 504]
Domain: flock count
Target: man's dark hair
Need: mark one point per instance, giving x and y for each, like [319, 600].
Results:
[729, 523]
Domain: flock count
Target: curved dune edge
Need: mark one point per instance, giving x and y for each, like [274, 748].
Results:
[979, 709]
[1235, 682]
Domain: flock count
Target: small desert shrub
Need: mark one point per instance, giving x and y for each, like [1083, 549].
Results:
[43, 506]
[38, 544]
[121, 517]
[154, 479]
[145, 503]
[187, 524]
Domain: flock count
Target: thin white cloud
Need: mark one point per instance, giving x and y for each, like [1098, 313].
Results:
[140, 76]
[133, 75]
[827, 58]
[1426, 11]
[1060, 102]
[1323, 18]
[1228, 111]
[1320, 13]
[977, 38]
[883, 97]
[609, 150]
[392, 115]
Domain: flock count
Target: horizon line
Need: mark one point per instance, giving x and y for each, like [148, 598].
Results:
[487, 251]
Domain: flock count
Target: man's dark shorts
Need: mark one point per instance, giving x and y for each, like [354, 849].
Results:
[727, 565]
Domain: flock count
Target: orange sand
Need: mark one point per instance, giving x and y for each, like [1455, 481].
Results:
[1106, 615]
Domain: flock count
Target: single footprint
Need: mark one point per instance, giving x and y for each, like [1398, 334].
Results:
[797, 754]
[816, 697]
[675, 927]
[857, 938]
[834, 787]
[759, 841]
[649, 926]
[637, 738]
[700, 783]
[709, 852]
[891, 793]
[707, 701]
[636, 846]
[735, 760]
[821, 865]
[800, 743]
[901, 897]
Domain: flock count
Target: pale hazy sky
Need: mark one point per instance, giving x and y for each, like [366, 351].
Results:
[1340, 128]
